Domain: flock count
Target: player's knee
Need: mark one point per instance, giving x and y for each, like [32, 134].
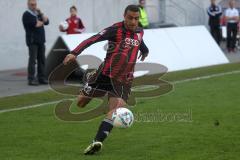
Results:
[113, 109]
[116, 102]
[121, 103]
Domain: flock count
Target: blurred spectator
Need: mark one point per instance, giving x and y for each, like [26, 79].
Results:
[232, 18]
[143, 21]
[223, 21]
[215, 12]
[33, 21]
[75, 25]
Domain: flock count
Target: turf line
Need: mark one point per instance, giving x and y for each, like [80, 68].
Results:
[174, 82]
[28, 107]
[206, 77]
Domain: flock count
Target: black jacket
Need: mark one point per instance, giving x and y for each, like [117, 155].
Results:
[214, 12]
[34, 35]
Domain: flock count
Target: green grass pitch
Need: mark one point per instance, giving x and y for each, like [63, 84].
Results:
[208, 127]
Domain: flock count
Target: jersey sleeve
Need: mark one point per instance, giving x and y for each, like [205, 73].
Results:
[226, 13]
[106, 34]
[80, 26]
[237, 13]
[144, 49]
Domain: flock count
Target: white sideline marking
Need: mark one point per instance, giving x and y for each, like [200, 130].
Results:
[28, 107]
[174, 82]
[206, 77]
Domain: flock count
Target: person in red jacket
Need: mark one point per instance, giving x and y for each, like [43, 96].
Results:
[75, 25]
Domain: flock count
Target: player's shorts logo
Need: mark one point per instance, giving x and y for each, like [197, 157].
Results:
[87, 89]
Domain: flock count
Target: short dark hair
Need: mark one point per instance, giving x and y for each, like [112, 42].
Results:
[132, 7]
[73, 7]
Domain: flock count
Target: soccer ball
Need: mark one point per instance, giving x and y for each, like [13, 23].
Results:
[122, 118]
[64, 24]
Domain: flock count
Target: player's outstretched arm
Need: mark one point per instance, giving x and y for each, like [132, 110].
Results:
[142, 56]
[143, 51]
[106, 34]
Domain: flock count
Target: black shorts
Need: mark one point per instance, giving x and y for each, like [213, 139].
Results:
[98, 85]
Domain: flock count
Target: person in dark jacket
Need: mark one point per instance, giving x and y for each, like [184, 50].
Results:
[215, 13]
[33, 21]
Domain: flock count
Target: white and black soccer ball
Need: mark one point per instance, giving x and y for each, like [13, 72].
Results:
[122, 118]
[64, 25]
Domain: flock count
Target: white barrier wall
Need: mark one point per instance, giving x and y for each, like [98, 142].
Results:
[96, 14]
[177, 48]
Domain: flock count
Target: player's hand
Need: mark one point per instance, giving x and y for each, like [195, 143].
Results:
[39, 24]
[69, 58]
[76, 30]
[45, 19]
[39, 11]
[142, 56]
[79, 30]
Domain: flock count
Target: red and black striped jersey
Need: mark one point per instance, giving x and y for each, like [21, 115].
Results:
[123, 48]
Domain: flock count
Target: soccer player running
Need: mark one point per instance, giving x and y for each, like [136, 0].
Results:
[115, 74]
